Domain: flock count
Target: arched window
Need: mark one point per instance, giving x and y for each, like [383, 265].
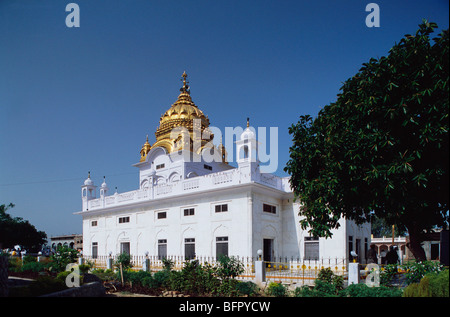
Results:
[243, 153]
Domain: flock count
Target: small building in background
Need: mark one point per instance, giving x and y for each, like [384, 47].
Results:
[73, 241]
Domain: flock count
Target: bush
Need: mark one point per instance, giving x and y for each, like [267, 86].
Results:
[387, 274]
[34, 267]
[247, 288]
[63, 256]
[415, 271]
[438, 284]
[84, 268]
[321, 289]
[198, 280]
[326, 275]
[304, 291]
[228, 288]
[277, 290]
[28, 259]
[327, 284]
[431, 285]
[193, 279]
[168, 264]
[14, 264]
[62, 276]
[104, 275]
[123, 259]
[133, 277]
[160, 278]
[324, 289]
[362, 290]
[418, 289]
[43, 285]
[229, 267]
[157, 280]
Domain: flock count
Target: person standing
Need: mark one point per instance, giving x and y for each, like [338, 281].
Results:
[372, 255]
[392, 256]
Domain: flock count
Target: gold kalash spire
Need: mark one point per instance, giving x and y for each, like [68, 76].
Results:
[180, 115]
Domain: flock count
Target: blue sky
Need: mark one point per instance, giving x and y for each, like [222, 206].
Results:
[74, 100]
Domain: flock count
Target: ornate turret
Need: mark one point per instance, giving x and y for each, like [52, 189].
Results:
[88, 191]
[145, 149]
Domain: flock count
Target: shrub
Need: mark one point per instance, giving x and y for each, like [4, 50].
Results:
[321, 289]
[14, 264]
[415, 271]
[326, 275]
[133, 277]
[362, 290]
[34, 267]
[168, 264]
[327, 283]
[63, 256]
[304, 291]
[84, 268]
[324, 289]
[387, 274]
[439, 286]
[62, 276]
[229, 267]
[43, 285]
[277, 290]
[417, 289]
[194, 279]
[104, 275]
[160, 279]
[431, 285]
[228, 288]
[338, 282]
[123, 259]
[247, 288]
[28, 259]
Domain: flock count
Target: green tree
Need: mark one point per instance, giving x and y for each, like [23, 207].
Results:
[17, 231]
[381, 229]
[382, 148]
[62, 257]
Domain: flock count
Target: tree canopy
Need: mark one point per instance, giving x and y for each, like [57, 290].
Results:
[382, 148]
[17, 231]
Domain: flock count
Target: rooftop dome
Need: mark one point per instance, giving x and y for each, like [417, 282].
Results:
[88, 180]
[248, 133]
[104, 183]
[181, 114]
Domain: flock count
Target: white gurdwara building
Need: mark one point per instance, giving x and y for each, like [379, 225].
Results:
[188, 206]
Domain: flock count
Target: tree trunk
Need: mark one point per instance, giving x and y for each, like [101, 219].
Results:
[415, 240]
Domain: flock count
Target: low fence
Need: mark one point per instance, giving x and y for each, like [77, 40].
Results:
[302, 271]
[282, 269]
[156, 263]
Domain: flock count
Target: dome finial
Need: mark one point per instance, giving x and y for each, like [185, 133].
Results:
[185, 87]
[248, 122]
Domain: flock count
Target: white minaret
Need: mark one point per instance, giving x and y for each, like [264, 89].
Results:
[103, 188]
[88, 191]
[247, 149]
[103, 191]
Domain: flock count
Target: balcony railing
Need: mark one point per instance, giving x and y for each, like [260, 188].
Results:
[200, 183]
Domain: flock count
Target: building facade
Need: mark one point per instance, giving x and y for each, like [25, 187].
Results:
[73, 241]
[192, 204]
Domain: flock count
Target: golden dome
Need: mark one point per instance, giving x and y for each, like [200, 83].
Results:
[182, 114]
